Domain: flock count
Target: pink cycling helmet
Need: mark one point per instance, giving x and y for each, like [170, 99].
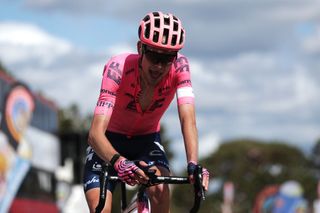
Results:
[161, 30]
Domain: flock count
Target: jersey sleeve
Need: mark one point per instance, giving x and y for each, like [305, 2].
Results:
[184, 92]
[111, 80]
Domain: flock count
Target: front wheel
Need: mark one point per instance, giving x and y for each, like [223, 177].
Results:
[139, 204]
[143, 201]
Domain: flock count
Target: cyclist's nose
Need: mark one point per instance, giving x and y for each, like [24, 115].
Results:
[158, 65]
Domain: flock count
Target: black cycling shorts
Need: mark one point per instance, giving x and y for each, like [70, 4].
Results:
[147, 148]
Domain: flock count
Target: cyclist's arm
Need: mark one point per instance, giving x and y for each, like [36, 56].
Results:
[190, 136]
[186, 108]
[97, 139]
[103, 111]
[189, 130]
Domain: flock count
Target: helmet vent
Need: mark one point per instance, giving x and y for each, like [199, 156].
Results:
[147, 31]
[157, 23]
[165, 36]
[174, 40]
[175, 26]
[147, 18]
[181, 38]
[156, 36]
[167, 21]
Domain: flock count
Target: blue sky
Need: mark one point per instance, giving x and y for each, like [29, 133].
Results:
[89, 31]
[254, 64]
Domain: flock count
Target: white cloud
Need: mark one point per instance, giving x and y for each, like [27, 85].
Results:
[257, 95]
[225, 81]
[307, 87]
[208, 144]
[253, 82]
[311, 44]
[24, 42]
[51, 65]
[24, 34]
[120, 48]
[54, 66]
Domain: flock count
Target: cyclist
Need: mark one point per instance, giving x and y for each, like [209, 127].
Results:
[135, 92]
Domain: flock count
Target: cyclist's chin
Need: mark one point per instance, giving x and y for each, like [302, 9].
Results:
[154, 79]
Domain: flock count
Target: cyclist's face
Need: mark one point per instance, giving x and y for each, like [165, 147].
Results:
[156, 63]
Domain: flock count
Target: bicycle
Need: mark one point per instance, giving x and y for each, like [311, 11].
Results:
[140, 203]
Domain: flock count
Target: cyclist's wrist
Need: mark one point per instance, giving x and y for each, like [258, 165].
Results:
[193, 162]
[114, 159]
[192, 165]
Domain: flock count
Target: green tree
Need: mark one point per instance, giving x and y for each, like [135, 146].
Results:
[165, 140]
[71, 120]
[251, 165]
[316, 154]
[2, 67]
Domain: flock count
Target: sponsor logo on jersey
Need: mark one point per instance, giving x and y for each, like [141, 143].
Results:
[181, 65]
[155, 153]
[107, 92]
[114, 72]
[93, 180]
[96, 167]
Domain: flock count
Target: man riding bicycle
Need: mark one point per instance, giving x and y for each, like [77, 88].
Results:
[135, 92]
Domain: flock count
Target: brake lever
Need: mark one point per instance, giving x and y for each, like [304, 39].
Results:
[198, 190]
[199, 179]
[151, 173]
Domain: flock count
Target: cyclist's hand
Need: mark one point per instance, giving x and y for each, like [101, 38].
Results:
[142, 177]
[128, 172]
[192, 166]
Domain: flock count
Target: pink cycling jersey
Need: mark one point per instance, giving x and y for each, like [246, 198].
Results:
[120, 90]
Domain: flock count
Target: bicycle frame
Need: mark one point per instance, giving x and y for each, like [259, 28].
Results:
[141, 203]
